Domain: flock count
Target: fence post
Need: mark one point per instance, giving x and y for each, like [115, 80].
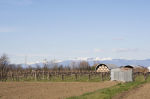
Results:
[145, 76]
[11, 75]
[89, 76]
[135, 75]
[35, 76]
[17, 76]
[62, 76]
[102, 77]
[50, 76]
[43, 74]
[47, 75]
[76, 76]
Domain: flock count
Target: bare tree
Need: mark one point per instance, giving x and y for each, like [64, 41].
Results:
[84, 65]
[74, 65]
[4, 63]
[38, 67]
[53, 65]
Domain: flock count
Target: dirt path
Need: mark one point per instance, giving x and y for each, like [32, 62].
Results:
[142, 92]
[44, 90]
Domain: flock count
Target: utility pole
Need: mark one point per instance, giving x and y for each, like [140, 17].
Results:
[26, 61]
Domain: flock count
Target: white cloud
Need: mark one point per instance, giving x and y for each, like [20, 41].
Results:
[102, 59]
[96, 50]
[90, 58]
[82, 58]
[30, 63]
[122, 50]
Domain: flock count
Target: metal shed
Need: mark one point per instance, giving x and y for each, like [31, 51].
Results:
[119, 74]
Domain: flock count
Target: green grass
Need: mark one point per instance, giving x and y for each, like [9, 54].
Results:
[108, 93]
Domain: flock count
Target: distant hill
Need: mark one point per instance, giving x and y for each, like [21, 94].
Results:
[91, 61]
[119, 62]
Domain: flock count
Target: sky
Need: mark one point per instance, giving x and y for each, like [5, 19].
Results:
[66, 29]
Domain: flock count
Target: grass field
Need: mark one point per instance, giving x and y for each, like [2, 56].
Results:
[108, 93]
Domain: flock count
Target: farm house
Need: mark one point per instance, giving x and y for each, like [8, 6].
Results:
[120, 74]
[105, 67]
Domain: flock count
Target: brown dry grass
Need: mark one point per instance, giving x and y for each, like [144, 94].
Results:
[46, 90]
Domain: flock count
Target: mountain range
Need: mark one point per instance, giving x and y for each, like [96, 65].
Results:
[91, 61]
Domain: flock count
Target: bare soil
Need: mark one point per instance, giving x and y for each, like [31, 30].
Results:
[141, 92]
[48, 90]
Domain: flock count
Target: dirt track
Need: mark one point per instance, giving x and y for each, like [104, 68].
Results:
[44, 90]
[143, 92]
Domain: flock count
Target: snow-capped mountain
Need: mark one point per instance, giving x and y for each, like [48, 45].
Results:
[91, 61]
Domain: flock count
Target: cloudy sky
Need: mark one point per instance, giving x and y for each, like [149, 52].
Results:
[64, 29]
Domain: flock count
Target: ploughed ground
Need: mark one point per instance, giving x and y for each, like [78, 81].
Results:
[48, 90]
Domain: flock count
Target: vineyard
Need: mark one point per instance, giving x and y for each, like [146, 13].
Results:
[55, 76]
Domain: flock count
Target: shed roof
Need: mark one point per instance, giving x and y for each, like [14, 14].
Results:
[133, 66]
[110, 66]
[127, 66]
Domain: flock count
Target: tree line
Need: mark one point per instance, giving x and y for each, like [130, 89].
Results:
[6, 68]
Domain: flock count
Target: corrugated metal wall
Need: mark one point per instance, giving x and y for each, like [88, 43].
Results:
[121, 75]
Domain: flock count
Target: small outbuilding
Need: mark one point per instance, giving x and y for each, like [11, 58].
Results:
[119, 74]
[127, 67]
[105, 67]
[148, 69]
[140, 69]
